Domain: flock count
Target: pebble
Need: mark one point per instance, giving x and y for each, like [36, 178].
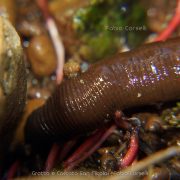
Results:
[41, 56]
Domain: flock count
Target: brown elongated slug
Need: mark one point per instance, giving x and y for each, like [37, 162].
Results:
[146, 75]
[12, 84]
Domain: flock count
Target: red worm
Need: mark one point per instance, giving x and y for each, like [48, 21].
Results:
[144, 76]
[85, 147]
[55, 37]
[171, 26]
[66, 149]
[53, 154]
[77, 157]
[13, 170]
[131, 153]
[57, 152]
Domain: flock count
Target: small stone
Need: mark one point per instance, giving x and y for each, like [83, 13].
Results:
[42, 56]
[71, 68]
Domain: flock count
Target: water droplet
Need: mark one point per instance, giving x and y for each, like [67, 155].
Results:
[154, 69]
[81, 81]
[38, 94]
[101, 79]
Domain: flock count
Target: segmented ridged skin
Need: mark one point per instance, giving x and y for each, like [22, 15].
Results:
[143, 76]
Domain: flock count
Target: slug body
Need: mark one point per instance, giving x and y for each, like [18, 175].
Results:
[143, 76]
